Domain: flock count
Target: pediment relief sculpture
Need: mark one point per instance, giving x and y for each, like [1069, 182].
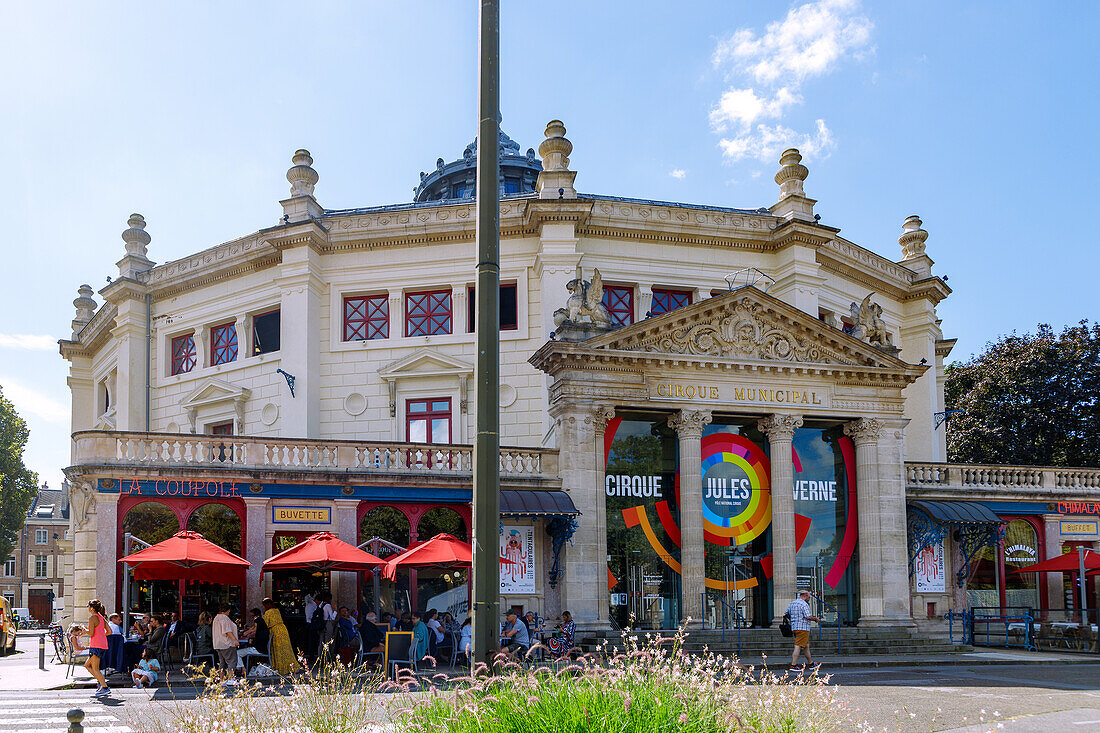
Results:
[745, 331]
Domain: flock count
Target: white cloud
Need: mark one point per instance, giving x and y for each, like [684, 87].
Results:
[30, 342]
[811, 41]
[766, 142]
[678, 173]
[30, 401]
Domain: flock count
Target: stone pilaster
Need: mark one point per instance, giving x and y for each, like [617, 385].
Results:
[689, 425]
[1056, 598]
[346, 584]
[584, 564]
[84, 518]
[258, 547]
[300, 353]
[865, 433]
[106, 549]
[893, 532]
[780, 431]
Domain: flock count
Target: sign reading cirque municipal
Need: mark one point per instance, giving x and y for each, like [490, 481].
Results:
[739, 394]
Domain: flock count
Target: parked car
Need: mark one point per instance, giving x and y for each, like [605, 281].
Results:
[7, 628]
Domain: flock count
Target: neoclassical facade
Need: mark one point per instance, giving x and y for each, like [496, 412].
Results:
[740, 430]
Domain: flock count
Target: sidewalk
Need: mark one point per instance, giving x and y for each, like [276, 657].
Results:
[955, 659]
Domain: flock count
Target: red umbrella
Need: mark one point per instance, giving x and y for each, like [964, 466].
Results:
[443, 550]
[1070, 562]
[323, 551]
[187, 556]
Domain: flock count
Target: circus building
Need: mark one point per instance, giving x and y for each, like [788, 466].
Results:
[700, 405]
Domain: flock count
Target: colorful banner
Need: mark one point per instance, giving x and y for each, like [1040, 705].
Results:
[517, 559]
[928, 570]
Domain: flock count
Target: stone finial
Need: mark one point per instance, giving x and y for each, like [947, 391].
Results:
[556, 180]
[301, 175]
[136, 260]
[136, 238]
[912, 238]
[85, 308]
[912, 241]
[791, 174]
[793, 202]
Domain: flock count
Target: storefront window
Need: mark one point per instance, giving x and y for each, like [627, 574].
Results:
[152, 522]
[390, 524]
[983, 589]
[441, 520]
[1021, 549]
[643, 522]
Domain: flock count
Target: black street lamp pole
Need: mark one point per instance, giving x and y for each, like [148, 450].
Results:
[486, 553]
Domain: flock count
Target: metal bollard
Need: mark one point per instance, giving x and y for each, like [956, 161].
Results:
[75, 716]
[42, 652]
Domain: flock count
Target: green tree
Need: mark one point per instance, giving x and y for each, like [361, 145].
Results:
[18, 486]
[1031, 399]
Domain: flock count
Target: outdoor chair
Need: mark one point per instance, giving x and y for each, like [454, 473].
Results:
[73, 655]
[190, 659]
[164, 655]
[399, 650]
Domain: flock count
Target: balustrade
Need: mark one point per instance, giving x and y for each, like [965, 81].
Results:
[963, 477]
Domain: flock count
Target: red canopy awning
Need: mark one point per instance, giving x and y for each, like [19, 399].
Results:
[187, 556]
[443, 550]
[1070, 562]
[323, 551]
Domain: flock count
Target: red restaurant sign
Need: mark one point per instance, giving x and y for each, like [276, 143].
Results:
[177, 487]
[1078, 507]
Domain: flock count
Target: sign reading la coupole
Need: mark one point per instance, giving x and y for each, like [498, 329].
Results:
[736, 394]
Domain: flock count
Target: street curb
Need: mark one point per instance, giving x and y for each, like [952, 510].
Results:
[855, 664]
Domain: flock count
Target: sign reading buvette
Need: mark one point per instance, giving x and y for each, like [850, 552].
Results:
[732, 393]
[301, 515]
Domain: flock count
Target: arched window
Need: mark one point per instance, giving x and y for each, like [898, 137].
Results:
[218, 524]
[439, 520]
[387, 523]
[1021, 548]
[150, 522]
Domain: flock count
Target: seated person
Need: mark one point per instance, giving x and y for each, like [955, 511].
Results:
[147, 670]
[421, 636]
[114, 622]
[139, 629]
[157, 631]
[562, 641]
[347, 636]
[515, 641]
[466, 637]
[204, 638]
[374, 640]
[76, 634]
[431, 618]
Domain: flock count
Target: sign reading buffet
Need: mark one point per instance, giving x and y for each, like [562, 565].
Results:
[729, 393]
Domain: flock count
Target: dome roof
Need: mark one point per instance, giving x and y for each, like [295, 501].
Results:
[456, 180]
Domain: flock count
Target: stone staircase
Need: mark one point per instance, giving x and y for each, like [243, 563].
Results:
[894, 641]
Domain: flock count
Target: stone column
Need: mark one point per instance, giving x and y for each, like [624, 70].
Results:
[600, 417]
[780, 431]
[106, 549]
[585, 562]
[864, 433]
[347, 586]
[689, 425]
[258, 547]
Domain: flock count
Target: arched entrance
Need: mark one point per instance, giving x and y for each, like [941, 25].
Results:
[221, 525]
[152, 522]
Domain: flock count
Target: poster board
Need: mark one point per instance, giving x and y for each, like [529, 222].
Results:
[517, 559]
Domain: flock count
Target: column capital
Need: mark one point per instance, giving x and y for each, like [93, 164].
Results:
[779, 427]
[600, 416]
[864, 431]
[690, 423]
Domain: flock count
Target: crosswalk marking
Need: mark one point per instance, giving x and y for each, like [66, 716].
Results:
[46, 712]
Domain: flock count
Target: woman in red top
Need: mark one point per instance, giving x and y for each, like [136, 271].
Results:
[97, 629]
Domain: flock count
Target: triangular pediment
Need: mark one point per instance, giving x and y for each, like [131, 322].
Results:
[745, 325]
[213, 391]
[426, 363]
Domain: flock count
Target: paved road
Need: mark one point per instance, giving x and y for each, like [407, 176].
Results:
[1024, 698]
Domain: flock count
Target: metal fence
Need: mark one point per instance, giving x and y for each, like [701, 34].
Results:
[1027, 628]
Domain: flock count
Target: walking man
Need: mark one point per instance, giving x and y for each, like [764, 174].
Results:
[801, 616]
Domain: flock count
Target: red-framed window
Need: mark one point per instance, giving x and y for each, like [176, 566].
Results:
[222, 428]
[428, 313]
[669, 300]
[223, 343]
[509, 308]
[428, 421]
[183, 353]
[366, 317]
[619, 301]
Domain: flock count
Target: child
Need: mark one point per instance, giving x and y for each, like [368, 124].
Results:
[146, 671]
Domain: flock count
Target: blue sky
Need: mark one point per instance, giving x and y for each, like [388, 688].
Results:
[978, 117]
